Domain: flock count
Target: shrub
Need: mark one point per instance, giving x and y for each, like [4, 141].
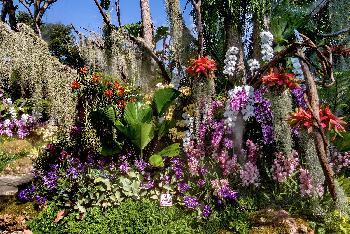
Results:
[131, 217]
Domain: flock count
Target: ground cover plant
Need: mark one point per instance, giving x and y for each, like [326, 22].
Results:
[242, 124]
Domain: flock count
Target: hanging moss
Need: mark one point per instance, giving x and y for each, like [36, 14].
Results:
[26, 66]
[281, 107]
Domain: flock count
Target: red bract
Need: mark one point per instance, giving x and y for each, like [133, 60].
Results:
[280, 79]
[75, 85]
[304, 118]
[96, 78]
[83, 70]
[108, 93]
[201, 66]
[121, 104]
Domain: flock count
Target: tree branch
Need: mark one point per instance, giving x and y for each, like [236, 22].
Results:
[27, 7]
[104, 16]
[334, 34]
[117, 5]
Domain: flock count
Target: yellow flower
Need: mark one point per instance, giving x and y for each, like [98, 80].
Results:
[170, 113]
[181, 123]
[185, 90]
[189, 109]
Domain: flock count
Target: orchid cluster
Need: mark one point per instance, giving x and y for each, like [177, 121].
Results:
[241, 100]
[231, 61]
[306, 185]
[298, 94]
[254, 65]
[340, 161]
[266, 46]
[14, 121]
[297, 68]
[284, 166]
[249, 172]
[263, 115]
[202, 66]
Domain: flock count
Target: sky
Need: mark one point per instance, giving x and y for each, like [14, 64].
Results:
[84, 13]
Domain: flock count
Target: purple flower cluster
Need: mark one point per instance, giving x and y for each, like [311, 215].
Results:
[191, 202]
[140, 165]
[177, 168]
[206, 211]
[26, 194]
[340, 161]
[263, 115]
[298, 94]
[12, 124]
[183, 187]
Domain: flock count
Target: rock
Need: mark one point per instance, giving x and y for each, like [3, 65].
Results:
[8, 190]
[275, 221]
[20, 166]
[15, 180]
[12, 223]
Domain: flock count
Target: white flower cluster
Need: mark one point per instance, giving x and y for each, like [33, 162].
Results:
[189, 120]
[297, 68]
[266, 46]
[231, 61]
[241, 100]
[254, 65]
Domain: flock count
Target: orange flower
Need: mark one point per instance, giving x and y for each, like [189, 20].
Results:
[121, 92]
[132, 99]
[108, 93]
[96, 78]
[75, 85]
[202, 65]
[117, 85]
[83, 71]
[121, 104]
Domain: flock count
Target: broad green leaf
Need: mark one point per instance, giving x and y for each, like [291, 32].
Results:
[138, 112]
[170, 151]
[156, 160]
[163, 98]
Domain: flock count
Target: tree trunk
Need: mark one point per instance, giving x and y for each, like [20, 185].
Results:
[148, 81]
[318, 133]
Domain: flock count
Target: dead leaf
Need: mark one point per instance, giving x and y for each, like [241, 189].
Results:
[60, 215]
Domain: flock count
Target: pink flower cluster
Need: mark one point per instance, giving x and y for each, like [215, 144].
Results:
[284, 165]
[249, 172]
[306, 185]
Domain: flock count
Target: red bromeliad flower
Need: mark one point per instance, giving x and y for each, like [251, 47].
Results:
[117, 85]
[75, 85]
[96, 78]
[202, 65]
[304, 118]
[108, 93]
[83, 71]
[280, 79]
[329, 119]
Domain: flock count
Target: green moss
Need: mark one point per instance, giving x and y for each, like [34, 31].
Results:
[10, 205]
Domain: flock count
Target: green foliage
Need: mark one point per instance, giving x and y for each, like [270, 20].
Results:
[24, 17]
[105, 4]
[61, 44]
[134, 217]
[334, 222]
[163, 98]
[134, 29]
[139, 127]
[169, 151]
[161, 33]
[5, 159]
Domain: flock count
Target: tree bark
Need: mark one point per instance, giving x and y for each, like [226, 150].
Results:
[318, 133]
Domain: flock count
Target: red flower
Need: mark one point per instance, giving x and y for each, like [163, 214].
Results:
[83, 71]
[281, 79]
[108, 93]
[96, 78]
[75, 85]
[304, 118]
[121, 92]
[121, 104]
[202, 65]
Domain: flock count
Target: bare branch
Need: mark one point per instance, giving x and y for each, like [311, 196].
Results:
[104, 16]
[334, 34]
[117, 4]
[27, 7]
